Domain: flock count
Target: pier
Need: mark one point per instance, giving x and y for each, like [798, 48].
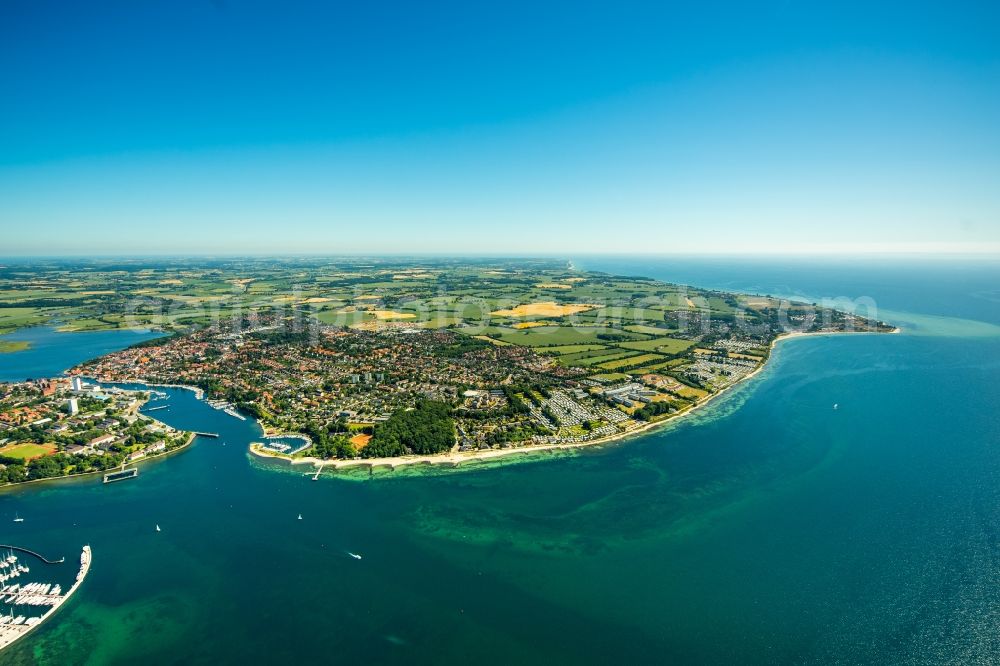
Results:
[206, 434]
[121, 475]
[16, 628]
[31, 552]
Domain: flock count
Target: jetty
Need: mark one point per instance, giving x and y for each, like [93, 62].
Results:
[121, 475]
[32, 595]
[19, 549]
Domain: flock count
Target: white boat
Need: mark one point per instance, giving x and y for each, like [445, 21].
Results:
[300, 516]
[18, 519]
[157, 528]
[354, 555]
[836, 406]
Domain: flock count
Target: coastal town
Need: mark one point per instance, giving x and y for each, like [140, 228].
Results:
[64, 426]
[354, 357]
[541, 369]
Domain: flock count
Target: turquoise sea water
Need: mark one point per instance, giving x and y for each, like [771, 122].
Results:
[768, 528]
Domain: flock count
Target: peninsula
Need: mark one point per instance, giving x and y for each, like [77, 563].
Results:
[418, 361]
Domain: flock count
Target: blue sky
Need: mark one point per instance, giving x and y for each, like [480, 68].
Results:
[253, 127]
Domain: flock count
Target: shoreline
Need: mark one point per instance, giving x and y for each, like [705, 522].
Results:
[77, 475]
[199, 393]
[455, 459]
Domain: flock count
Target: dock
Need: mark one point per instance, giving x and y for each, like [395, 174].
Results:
[13, 628]
[206, 434]
[121, 475]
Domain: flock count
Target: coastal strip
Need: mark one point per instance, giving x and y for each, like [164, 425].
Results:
[78, 475]
[455, 459]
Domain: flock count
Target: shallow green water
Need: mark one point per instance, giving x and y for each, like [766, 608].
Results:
[768, 528]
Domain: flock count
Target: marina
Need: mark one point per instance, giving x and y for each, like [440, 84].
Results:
[279, 442]
[273, 446]
[226, 407]
[276, 445]
[232, 412]
[22, 599]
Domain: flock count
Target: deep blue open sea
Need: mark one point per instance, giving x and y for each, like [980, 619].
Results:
[767, 528]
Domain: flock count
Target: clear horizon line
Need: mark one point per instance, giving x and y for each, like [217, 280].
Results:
[982, 254]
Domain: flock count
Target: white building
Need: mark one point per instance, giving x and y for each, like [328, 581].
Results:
[72, 406]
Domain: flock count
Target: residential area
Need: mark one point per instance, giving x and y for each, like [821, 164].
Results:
[58, 427]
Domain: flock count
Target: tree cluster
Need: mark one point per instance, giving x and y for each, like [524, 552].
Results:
[426, 429]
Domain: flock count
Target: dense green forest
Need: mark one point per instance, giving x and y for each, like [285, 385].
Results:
[428, 428]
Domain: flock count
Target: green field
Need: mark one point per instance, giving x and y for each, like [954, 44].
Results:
[662, 345]
[630, 361]
[571, 349]
[610, 377]
[344, 318]
[542, 336]
[672, 363]
[623, 314]
[12, 319]
[627, 314]
[27, 451]
[595, 352]
[596, 360]
[649, 330]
